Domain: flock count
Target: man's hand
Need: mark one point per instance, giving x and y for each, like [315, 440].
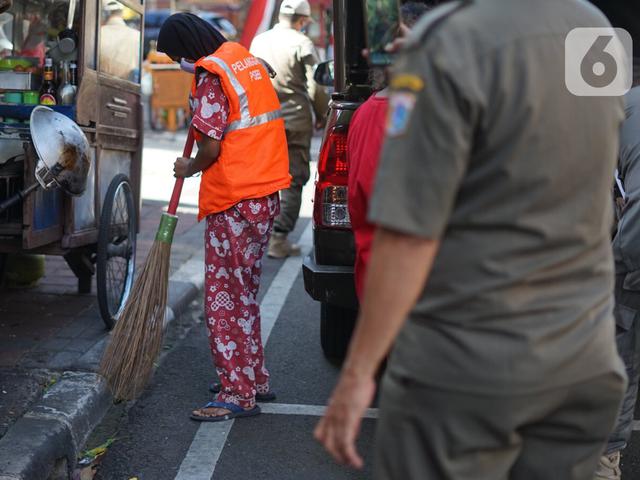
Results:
[396, 45]
[182, 168]
[339, 427]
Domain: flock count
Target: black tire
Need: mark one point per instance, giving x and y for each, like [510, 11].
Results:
[116, 256]
[336, 328]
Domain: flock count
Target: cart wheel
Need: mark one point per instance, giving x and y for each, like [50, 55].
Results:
[116, 258]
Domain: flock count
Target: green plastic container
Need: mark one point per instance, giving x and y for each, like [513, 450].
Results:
[13, 97]
[23, 270]
[31, 98]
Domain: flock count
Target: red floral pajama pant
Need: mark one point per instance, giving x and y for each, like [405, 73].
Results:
[235, 242]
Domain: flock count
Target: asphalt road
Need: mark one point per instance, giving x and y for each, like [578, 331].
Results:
[156, 440]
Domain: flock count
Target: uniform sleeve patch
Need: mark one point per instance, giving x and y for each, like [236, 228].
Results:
[407, 82]
[401, 106]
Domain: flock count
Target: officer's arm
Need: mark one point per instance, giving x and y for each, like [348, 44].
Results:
[626, 244]
[430, 132]
[317, 94]
[397, 272]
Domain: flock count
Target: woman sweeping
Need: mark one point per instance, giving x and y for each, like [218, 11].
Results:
[242, 154]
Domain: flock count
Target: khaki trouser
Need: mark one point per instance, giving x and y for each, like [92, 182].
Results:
[627, 313]
[429, 434]
[299, 144]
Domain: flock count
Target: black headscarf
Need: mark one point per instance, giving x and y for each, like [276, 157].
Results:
[188, 36]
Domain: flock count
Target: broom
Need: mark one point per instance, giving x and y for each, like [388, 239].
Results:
[128, 361]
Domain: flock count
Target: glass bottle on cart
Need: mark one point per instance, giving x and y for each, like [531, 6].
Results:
[73, 75]
[48, 89]
[67, 90]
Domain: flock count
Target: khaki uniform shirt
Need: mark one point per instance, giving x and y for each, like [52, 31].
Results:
[489, 152]
[293, 56]
[119, 49]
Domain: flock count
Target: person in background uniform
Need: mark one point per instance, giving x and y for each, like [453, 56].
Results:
[119, 44]
[366, 132]
[626, 250]
[491, 268]
[293, 57]
[242, 154]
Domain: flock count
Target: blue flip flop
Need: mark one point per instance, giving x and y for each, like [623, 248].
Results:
[270, 396]
[236, 412]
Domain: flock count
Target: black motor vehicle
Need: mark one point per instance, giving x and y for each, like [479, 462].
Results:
[328, 270]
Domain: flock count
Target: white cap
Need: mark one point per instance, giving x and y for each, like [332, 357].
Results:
[295, 7]
[113, 6]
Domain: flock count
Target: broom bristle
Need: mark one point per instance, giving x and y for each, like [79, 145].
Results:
[128, 360]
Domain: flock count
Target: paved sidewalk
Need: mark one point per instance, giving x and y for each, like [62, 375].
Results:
[51, 325]
[52, 338]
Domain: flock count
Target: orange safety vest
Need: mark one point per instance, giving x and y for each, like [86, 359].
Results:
[253, 160]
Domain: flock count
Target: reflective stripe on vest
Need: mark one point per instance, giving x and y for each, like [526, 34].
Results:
[254, 121]
[246, 120]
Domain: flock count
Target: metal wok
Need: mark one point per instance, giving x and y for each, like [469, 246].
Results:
[63, 155]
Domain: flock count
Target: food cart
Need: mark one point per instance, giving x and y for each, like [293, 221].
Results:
[94, 227]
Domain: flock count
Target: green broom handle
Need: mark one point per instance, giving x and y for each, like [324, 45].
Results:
[177, 188]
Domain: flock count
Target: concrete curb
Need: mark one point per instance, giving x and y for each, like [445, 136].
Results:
[45, 443]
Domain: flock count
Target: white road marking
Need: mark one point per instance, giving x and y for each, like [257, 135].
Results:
[205, 450]
[210, 439]
[275, 297]
[307, 410]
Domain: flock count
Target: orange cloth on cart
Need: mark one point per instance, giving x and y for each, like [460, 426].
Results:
[253, 160]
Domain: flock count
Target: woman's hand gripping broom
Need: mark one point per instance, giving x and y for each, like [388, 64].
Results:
[128, 360]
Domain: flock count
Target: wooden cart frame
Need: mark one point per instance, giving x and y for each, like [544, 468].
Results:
[109, 111]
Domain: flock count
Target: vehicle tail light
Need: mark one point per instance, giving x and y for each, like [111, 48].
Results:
[330, 208]
[335, 212]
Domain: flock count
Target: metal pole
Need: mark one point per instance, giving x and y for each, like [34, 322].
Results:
[339, 42]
